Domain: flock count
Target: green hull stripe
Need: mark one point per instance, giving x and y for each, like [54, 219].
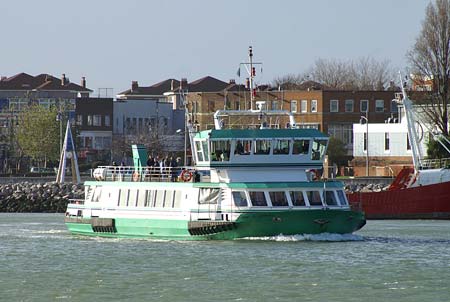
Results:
[251, 224]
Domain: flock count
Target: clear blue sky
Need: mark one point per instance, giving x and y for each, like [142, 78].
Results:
[114, 42]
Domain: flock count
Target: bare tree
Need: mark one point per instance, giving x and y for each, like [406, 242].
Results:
[430, 60]
[288, 82]
[364, 74]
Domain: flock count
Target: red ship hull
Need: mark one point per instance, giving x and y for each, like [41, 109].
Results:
[423, 202]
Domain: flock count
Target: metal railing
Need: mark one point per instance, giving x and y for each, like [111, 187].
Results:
[435, 163]
[140, 174]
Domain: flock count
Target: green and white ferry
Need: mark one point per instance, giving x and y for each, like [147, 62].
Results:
[245, 183]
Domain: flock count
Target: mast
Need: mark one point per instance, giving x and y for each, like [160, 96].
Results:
[412, 133]
[252, 74]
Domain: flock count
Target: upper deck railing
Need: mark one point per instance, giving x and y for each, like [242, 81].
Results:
[146, 174]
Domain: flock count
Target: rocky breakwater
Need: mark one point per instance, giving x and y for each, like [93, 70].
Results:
[49, 197]
[370, 187]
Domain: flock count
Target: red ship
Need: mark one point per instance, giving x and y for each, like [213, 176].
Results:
[419, 192]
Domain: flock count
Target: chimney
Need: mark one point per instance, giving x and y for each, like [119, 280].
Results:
[171, 84]
[183, 83]
[83, 82]
[232, 81]
[63, 79]
[134, 85]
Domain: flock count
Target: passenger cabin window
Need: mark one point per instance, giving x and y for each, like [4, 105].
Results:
[243, 147]
[258, 199]
[330, 198]
[278, 199]
[220, 150]
[300, 146]
[262, 147]
[281, 147]
[297, 198]
[240, 199]
[342, 198]
[318, 149]
[314, 198]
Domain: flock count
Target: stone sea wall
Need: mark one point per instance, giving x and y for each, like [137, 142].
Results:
[45, 197]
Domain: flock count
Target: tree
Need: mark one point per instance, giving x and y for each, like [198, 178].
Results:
[430, 59]
[337, 152]
[38, 133]
[436, 150]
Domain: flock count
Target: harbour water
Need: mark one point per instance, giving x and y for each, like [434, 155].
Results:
[385, 261]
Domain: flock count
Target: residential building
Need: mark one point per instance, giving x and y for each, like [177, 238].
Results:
[94, 123]
[20, 90]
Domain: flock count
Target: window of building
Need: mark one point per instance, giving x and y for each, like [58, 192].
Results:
[79, 119]
[211, 106]
[313, 105]
[334, 105]
[379, 105]
[258, 199]
[278, 199]
[274, 105]
[394, 106]
[294, 106]
[107, 120]
[97, 120]
[349, 105]
[386, 141]
[89, 120]
[236, 105]
[364, 105]
[304, 106]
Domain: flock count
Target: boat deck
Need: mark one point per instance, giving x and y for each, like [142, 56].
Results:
[146, 174]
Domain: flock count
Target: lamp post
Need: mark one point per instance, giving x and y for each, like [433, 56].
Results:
[366, 119]
[59, 119]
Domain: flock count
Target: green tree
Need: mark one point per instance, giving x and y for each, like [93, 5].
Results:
[436, 150]
[337, 152]
[38, 133]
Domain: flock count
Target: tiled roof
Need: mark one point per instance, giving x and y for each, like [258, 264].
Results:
[207, 84]
[24, 81]
[155, 89]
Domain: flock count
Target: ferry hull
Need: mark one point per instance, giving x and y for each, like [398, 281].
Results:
[423, 202]
[249, 224]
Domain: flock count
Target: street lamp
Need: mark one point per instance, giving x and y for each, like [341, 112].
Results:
[366, 119]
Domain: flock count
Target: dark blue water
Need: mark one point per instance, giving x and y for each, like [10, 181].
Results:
[385, 261]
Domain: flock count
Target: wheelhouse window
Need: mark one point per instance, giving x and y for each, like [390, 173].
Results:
[318, 149]
[220, 150]
[330, 198]
[281, 147]
[300, 146]
[258, 199]
[314, 198]
[297, 198]
[278, 199]
[205, 150]
[243, 147]
[240, 199]
[342, 199]
[262, 147]
[198, 148]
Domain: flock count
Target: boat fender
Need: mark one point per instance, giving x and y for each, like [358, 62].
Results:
[136, 176]
[186, 175]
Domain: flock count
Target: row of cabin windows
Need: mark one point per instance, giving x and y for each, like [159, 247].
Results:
[289, 198]
[144, 198]
[349, 105]
[222, 149]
